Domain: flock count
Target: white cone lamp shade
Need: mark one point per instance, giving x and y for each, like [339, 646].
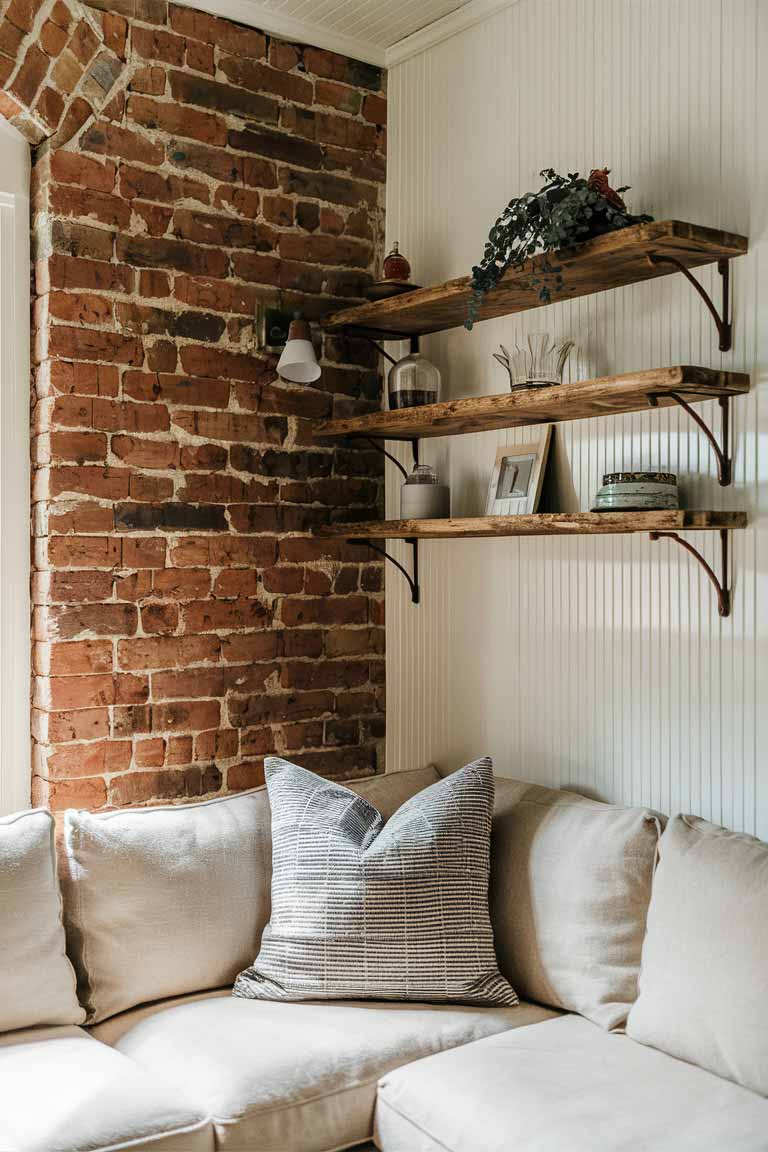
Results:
[298, 362]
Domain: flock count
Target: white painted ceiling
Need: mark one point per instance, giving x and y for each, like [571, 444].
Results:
[380, 22]
[373, 30]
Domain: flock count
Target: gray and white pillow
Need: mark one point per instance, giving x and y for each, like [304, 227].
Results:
[367, 910]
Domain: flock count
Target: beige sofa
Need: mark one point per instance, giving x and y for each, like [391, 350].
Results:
[163, 906]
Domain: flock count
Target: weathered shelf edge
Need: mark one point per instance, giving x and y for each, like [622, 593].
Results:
[580, 400]
[400, 314]
[538, 524]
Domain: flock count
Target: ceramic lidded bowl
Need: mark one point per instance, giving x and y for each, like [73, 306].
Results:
[637, 492]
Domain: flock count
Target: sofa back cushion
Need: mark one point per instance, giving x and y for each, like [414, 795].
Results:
[704, 976]
[37, 984]
[168, 900]
[570, 888]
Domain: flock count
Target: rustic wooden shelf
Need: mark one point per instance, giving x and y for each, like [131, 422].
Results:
[539, 524]
[603, 396]
[618, 258]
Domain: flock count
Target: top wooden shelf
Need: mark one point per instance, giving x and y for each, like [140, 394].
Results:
[609, 261]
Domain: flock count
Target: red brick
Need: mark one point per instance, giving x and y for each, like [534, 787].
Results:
[97, 756]
[340, 96]
[149, 753]
[88, 724]
[89, 793]
[186, 715]
[258, 77]
[157, 284]
[159, 619]
[115, 30]
[84, 42]
[50, 105]
[79, 447]
[177, 120]
[80, 308]
[150, 80]
[200, 57]
[71, 168]
[140, 452]
[73, 621]
[109, 139]
[375, 109]
[123, 416]
[179, 750]
[157, 44]
[71, 273]
[168, 652]
[229, 37]
[73, 692]
[76, 658]
[246, 774]
[175, 584]
[284, 55]
[82, 342]
[247, 647]
[30, 75]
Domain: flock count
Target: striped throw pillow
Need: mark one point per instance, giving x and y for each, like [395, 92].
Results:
[367, 910]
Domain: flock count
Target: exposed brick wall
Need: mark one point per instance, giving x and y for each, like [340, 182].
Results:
[185, 621]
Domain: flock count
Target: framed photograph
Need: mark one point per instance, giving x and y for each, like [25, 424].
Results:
[517, 477]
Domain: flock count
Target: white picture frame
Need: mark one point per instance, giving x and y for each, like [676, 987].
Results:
[518, 473]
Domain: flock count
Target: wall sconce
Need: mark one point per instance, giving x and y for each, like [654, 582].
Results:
[298, 362]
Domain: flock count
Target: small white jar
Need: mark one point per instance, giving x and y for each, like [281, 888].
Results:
[422, 497]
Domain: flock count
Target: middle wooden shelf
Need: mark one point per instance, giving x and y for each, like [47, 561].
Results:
[602, 396]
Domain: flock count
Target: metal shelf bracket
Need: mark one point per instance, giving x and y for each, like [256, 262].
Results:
[721, 586]
[721, 450]
[722, 319]
[413, 581]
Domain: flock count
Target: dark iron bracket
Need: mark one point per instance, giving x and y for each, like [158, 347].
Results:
[722, 319]
[721, 450]
[413, 581]
[721, 586]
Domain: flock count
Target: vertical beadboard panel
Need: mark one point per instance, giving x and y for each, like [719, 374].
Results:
[599, 663]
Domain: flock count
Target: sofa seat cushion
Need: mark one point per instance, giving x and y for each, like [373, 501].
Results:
[564, 1084]
[279, 1076]
[63, 1091]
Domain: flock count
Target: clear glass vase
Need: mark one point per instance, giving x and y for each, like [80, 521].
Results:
[413, 381]
[539, 365]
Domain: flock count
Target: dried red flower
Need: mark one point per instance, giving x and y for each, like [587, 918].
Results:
[598, 181]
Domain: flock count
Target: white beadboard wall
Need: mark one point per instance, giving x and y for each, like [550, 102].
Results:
[594, 663]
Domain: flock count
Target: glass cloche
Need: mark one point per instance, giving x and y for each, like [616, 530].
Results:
[413, 381]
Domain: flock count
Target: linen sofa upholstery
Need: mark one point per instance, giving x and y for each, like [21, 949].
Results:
[704, 977]
[565, 1084]
[166, 900]
[285, 1077]
[37, 982]
[570, 886]
[63, 1091]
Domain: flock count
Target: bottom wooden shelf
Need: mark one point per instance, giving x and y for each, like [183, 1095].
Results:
[540, 524]
[659, 525]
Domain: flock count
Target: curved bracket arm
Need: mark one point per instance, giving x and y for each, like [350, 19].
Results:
[721, 586]
[722, 320]
[721, 451]
[413, 582]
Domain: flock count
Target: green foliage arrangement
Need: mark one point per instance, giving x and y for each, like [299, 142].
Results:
[567, 210]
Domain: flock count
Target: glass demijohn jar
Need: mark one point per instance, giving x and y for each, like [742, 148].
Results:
[413, 381]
